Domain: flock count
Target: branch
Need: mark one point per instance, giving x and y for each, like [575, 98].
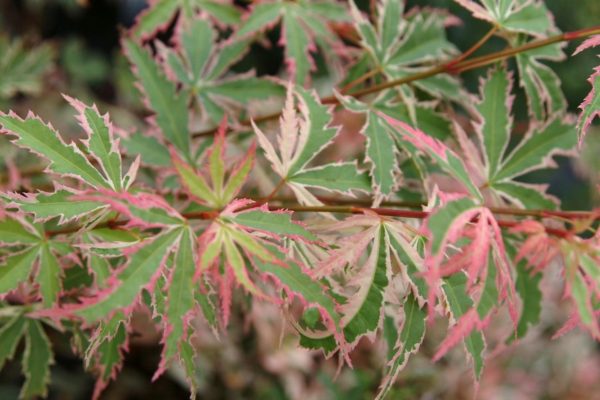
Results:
[353, 209]
[539, 213]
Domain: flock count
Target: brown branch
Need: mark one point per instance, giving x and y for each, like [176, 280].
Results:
[353, 209]
[539, 213]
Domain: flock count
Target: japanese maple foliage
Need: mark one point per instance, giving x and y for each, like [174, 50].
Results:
[432, 218]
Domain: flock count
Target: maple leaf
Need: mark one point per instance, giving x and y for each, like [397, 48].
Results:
[545, 98]
[242, 233]
[499, 167]
[399, 45]
[580, 259]
[22, 68]
[590, 107]
[69, 161]
[363, 261]
[303, 23]
[202, 69]
[475, 277]
[525, 16]
[31, 254]
[383, 142]
[160, 14]
[252, 231]
[301, 138]
[223, 187]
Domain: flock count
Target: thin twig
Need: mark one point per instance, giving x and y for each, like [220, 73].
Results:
[350, 209]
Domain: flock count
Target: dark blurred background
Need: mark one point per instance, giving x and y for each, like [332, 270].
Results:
[76, 44]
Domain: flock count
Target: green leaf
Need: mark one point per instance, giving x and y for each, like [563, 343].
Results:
[209, 310]
[22, 69]
[581, 296]
[533, 18]
[109, 349]
[57, 204]
[367, 304]
[180, 298]
[591, 267]
[427, 119]
[243, 90]
[17, 269]
[424, 40]
[237, 264]
[320, 134]
[149, 148]
[138, 272]
[40, 138]
[102, 145]
[278, 223]
[496, 122]
[528, 288]
[36, 362]
[263, 14]
[216, 165]
[159, 14]
[408, 257]
[368, 35]
[187, 355]
[530, 197]
[48, 276]
[197, 41]
[390, 22]
[249, 243]
[10, 336]
[313, 293]
[409, 341]
[590, 107]
[454, 288]
[153, 215]
[297, 44]
[12, 232]
[194, 183]
[545, 98]
[448, 160]
[489, 294]
[238, 177]
[441, 220]
[296, 280]
[380, 152]
[228, 54]
[537, 148]
[170, 107]
[225, 13]
[100, 268]
[343, 177]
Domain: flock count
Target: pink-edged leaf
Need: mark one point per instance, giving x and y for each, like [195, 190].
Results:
[142, 209]
[588, 44]
[59, 204]
[104, 354]
[124, 286]
[100, 141]
[155, 18]
[466, 318]
[590, 107]
[180, 299]
[42, 139]
[445, 158]
[409, 340]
